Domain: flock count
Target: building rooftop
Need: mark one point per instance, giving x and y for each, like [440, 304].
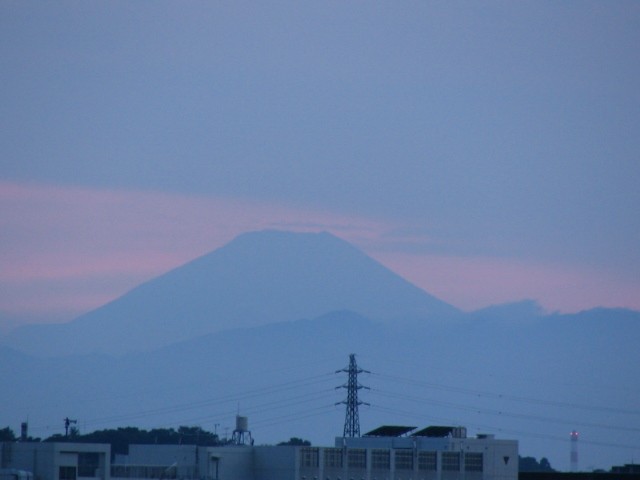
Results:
[389, 431]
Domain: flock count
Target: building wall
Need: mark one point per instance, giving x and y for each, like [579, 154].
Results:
[391, 459]
[366, 458]
[15, 474]
[182, 462]
[275, 463]
[178, 461]
[58, 461]
[444, 458]
[162, 454]
[227, 463]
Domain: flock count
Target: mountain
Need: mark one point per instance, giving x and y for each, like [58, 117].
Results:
[262, 324]
[257, 279]
[534, 381]
[523, 310]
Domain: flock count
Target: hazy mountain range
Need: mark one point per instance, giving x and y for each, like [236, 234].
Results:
[257, 279]
[261, 325]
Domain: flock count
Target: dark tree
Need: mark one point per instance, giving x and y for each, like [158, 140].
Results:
[296, 442]
[545, 465]
[121, 438]
[530, 464]
[7, 435]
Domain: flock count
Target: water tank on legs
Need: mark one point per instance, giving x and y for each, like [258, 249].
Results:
[242, 435]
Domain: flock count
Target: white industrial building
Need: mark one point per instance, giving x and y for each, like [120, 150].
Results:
[387, 453]
[56, 460]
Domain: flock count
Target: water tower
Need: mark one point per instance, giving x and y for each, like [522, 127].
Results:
[242, 435]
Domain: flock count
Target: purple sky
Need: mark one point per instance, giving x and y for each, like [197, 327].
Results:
[486, 152]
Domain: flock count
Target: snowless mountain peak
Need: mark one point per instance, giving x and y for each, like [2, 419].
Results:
[256, 279]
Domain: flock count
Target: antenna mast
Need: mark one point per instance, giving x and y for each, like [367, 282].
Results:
[352, 419]
[574, 451]
[67, 424]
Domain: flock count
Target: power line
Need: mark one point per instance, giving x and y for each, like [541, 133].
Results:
[259, 392]
[415, 417]
[504, 413]
[503, 396]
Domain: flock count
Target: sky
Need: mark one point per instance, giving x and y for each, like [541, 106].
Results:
[487, 152]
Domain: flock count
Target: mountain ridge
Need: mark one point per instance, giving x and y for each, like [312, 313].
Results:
[257, 278]
[542, 378]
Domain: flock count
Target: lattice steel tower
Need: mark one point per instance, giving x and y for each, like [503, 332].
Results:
[351, 419]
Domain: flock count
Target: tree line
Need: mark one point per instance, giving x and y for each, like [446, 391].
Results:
[121, 438]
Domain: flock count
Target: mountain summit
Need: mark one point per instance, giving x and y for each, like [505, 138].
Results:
[258, 278]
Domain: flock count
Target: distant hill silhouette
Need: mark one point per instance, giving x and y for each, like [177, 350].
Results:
[257, 279]
[534, 381]
[262, 324]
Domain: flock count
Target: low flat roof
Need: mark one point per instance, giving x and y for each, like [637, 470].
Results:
[433, 431]
[389, 431]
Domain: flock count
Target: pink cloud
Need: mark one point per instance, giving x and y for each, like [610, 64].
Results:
[53, 235]
[476, 282]
[66, 250]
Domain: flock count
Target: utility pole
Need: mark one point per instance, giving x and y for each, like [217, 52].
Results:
[352, 419]
[67, 424]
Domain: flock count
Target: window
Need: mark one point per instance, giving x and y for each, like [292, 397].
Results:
[451, 461]
[146, 471]
[357, 458]
[427, 461]
[333, 457]
[404, 459]
[473, 462]
[309, 457]
[67, 473]
[88, 464]
[380, 460]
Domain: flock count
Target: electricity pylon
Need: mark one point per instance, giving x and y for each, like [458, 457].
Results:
[352, 419]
